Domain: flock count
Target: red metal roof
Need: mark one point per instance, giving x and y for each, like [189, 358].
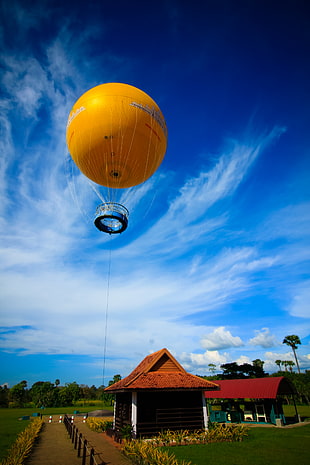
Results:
[160, 370]
[251, 388]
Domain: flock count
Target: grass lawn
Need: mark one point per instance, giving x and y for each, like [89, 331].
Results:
[272, 446]
[11, 426]
[303, 411]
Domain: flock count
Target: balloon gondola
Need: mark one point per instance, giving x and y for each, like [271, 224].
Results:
[117, 137]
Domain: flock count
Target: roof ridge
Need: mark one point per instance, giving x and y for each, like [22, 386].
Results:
[160, 353]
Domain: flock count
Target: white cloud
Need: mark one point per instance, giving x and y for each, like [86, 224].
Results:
[220, 339]
[187, 217]
[299, 306]
[263, 338]
[271, 357]
[199, 363]
[290, 222]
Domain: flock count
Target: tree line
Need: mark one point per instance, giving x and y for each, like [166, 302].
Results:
[46, 394]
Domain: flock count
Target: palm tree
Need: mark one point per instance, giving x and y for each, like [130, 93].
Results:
[284, 363]
[293, 341]
[290, 365]
[278, 362]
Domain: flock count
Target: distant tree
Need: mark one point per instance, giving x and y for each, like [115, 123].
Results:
[116, 378]
[246, 370]
[93, 392]
[290, 365]
[258, 363]
[278, 362]
[285, 364]
[69, 394]
[57, 382]
[293, 341]
[44, 394]
[4, 396]
[74, 391]
[212, 367]
[18, 394]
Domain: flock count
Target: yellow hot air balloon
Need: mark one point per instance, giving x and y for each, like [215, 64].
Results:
[117, 137]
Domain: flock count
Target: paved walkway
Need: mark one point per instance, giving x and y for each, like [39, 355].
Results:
[55, 447]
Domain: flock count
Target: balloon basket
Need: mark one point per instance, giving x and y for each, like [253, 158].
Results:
[111, 218]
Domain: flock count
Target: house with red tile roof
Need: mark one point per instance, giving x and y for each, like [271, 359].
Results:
[158, 395]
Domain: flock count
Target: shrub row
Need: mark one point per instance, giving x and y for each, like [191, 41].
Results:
[99, 424]
[217, 432]
[21, 448]
[145, 453]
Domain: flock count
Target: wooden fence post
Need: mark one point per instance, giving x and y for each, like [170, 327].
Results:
[84, 452]
[91, 459]
[73, 434]
[80, 445]
[76, 437]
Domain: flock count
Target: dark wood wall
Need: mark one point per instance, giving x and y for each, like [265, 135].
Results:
[158, 411]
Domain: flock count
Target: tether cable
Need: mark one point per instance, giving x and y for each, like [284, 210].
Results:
[106, 314]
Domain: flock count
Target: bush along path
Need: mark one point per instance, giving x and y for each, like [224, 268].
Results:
[55, 447]
[23, 445]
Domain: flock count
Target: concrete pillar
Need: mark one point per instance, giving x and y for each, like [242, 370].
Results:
[134, 412]
[205, 411]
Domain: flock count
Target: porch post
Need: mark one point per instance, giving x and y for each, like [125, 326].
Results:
[114, 411]
[205, 411]
[134, 409]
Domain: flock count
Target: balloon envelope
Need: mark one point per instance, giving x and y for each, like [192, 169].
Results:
[116, 135]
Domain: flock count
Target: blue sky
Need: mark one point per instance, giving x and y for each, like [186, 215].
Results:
[214, 264]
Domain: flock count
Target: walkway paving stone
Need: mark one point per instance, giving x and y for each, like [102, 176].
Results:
[54, 447]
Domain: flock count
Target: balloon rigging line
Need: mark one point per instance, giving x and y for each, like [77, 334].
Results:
[71, 181]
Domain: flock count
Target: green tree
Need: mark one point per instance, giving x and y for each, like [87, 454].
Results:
[246, 370]
[290, 365]
[18, 394]
[72, 393]
[116, 378]
[293, 341]
[212, 367]
[278, 362]
[285, 364]
[44, 394]
[4, 396]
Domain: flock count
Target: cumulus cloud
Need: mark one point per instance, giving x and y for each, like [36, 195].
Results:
[199, 363]
[263, 338]
[220, 338]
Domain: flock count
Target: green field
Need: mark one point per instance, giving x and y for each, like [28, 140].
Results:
[272, 446]
[11, 425]
[263, 446]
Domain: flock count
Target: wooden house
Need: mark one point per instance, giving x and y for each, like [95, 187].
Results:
[159, 395]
